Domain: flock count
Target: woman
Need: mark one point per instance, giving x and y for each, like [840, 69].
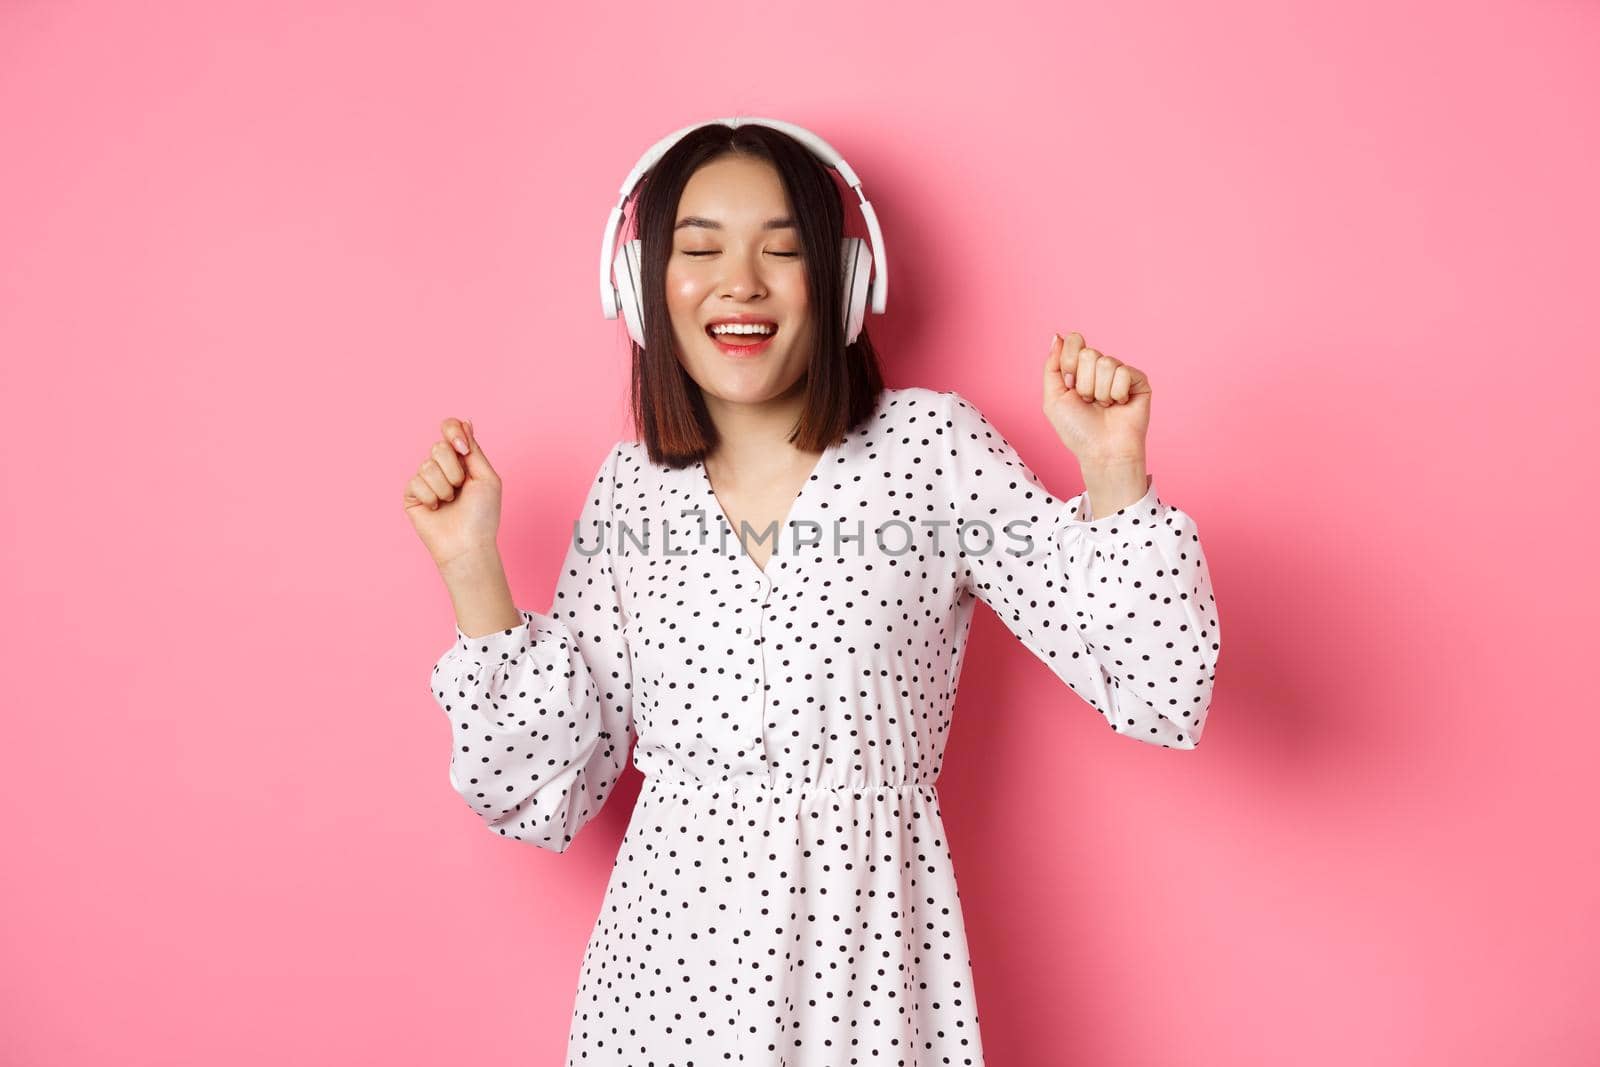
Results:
[783, 893]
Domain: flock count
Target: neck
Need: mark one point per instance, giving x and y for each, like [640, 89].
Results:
[754, 438]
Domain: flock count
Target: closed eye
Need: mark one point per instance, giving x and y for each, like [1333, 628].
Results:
[786, 255]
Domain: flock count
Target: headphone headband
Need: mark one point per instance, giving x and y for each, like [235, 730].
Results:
[610, 300]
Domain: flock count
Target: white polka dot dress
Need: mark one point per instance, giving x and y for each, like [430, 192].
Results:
[784, 892]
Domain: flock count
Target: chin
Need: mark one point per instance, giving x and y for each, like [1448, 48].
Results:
[746, 385]
[763, 378]
[745, 388]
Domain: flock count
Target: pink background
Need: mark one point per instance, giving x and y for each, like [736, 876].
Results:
[253, 253]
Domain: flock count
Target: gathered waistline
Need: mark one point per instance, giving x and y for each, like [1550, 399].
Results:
[654, 781]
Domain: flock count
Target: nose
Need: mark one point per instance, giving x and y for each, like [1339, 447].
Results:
[742, 279]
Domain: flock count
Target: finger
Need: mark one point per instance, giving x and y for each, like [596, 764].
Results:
[1070, 350]
[430, 473]
[1104, 370]
[1054, 386]
[478, 465]
[417, 489]
[1085, 373]
[1070, 347]
[451, 430]
[449, 462]
[1121, 384]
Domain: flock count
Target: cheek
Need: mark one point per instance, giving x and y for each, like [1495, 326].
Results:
[683, 291]
[792, 289]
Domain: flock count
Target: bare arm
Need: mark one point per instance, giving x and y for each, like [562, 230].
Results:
[480, 593]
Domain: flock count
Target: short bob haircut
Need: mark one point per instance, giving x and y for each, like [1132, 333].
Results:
[843, 382]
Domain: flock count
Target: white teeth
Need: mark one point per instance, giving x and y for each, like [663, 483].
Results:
[734, 327]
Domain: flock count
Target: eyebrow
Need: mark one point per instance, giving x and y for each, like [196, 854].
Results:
[781, 223]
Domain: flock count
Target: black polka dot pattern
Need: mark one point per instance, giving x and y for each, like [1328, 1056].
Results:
[784, 893]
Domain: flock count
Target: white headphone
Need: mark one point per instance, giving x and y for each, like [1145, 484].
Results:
[619, 277]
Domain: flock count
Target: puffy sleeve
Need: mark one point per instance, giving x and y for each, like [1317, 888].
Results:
[1120, 608]
[541, 715]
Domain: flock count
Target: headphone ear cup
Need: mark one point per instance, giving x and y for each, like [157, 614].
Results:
[856, 266]
[627, 273]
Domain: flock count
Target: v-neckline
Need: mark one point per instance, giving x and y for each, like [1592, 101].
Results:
[800, 497]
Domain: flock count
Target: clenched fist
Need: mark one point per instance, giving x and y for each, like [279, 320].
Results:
[1099, 406]
[453, 500]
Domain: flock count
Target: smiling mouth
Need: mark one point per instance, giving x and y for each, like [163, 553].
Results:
[741, 340]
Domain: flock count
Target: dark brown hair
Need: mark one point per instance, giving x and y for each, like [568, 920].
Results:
[843, 383]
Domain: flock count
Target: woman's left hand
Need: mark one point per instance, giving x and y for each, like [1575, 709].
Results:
[1099, 406]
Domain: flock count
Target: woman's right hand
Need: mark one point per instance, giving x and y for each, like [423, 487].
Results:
[453, 500]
